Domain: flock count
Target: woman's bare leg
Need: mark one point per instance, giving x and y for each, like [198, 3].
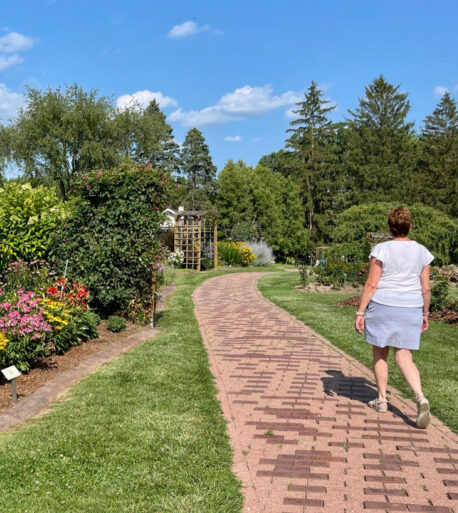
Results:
[409, 370]
[379, 356]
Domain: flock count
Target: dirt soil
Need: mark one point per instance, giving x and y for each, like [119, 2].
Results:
[447, 316]
[48, 368]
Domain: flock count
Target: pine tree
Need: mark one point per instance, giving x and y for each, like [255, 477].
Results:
[313, 166]
[439, 160]
[152, 138]
[382, 146]
[198, 169]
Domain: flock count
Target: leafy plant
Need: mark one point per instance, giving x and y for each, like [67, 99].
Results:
[337, 272]
[25, 328]
[439, 292]
[229, 253]
[116, 323]
[452, 304]
[28, 218]
[432, 228]
[236, 253]
[244, 231]
[111, 239]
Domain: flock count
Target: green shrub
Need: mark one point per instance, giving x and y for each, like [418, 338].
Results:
[35, 275]
[452, 304]
[439, 291]
[432, 228]
[338, 273]
[244, 231]
[116, 323]
[111, 239]
[28, 218]
[229, 253]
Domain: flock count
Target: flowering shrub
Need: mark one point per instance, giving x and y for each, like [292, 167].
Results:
[448, 272]
[236, 253]
[248, 256]
[35, 275]
[176, 258]
[337, 272]
[112, 236]
[25, 328]
[3, 341]
[49, 318]
[74, 294]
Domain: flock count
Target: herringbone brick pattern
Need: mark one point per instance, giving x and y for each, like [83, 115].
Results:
[303, 437]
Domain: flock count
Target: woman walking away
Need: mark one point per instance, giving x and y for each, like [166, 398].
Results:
[393, 311]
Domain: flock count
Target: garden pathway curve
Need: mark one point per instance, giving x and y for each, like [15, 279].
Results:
[303, 438]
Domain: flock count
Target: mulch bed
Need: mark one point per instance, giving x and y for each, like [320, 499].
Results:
[447, 316]
[48, 368]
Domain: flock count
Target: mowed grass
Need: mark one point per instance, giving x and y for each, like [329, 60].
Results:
[143, 434]
[436, 359]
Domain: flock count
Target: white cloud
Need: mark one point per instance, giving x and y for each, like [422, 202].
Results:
[143, 99]
[290, 112]
[255, 140]
[14, 42]
[233, 138]
[10, 102]
[188, 28]
[11, 60]
[242, 103]
[439, 91]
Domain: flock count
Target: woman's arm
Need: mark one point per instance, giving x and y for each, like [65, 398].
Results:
[375, 271]
[426, 292]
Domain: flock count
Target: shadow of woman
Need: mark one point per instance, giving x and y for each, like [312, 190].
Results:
[357, 389]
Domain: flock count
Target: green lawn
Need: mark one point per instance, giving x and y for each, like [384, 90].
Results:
[143, 434]
[436, 359]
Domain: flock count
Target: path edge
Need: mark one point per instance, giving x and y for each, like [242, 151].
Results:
[38, 402]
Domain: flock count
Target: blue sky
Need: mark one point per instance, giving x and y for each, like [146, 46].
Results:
[233, 69]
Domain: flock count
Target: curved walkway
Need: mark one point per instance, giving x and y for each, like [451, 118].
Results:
[303, 438]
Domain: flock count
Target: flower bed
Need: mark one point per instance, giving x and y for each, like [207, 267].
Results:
[39, 317]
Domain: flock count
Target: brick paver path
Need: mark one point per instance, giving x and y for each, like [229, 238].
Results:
[303, 438]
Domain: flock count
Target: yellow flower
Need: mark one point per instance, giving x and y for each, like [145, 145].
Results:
[3, 341]
[58, 327]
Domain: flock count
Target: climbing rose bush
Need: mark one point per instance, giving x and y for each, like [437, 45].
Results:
[112, 236]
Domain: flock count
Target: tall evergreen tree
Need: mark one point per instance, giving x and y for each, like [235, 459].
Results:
[198, 169]
[312, 144]
[381, 146]
[439, 156]
[152, 138]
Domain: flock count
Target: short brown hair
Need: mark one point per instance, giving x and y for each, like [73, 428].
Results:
[399, 221]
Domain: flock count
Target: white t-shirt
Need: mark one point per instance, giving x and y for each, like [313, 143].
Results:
[402, 263]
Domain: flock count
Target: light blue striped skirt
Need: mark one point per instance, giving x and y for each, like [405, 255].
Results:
[393, 326]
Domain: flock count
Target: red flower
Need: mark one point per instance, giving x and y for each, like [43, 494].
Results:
[52, 291]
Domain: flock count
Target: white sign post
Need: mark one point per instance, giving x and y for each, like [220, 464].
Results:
[11, 373]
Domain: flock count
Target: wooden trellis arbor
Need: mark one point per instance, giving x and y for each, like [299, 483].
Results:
[195, 234]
